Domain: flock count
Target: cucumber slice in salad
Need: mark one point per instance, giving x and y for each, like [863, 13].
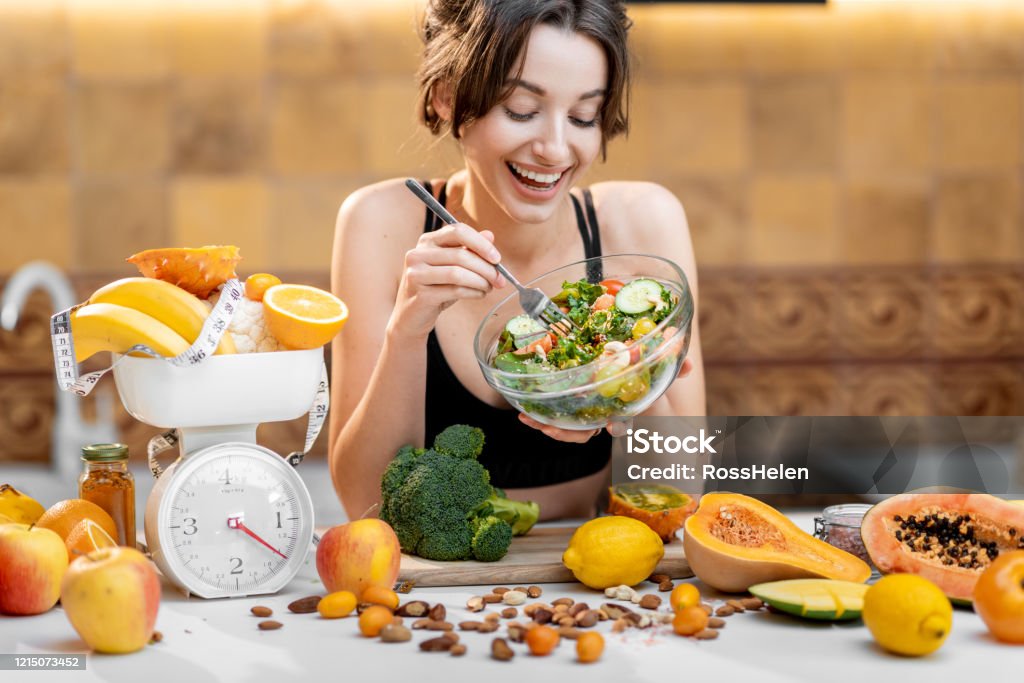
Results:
[524, 330]
[638, 296]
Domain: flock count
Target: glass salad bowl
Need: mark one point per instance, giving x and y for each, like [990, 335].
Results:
[633, 314]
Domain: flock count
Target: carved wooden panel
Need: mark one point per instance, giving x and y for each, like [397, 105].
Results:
[855, 341]
[881, 315]
[980, 389]
[978, 314]
[887, 389]
[26, 417]
[794, 390]
[27, 348]
[721, 316]
[789, 317]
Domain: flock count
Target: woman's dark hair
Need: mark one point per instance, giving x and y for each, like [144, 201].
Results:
[473, 46]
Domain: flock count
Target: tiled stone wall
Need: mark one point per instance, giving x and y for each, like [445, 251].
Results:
[853, 174]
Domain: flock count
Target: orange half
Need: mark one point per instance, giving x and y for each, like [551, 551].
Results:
[303, 317]
[86, 537]
[64, 516]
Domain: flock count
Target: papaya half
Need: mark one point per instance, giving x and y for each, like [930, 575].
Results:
[733, 542]
[948, 538]
[662, 507]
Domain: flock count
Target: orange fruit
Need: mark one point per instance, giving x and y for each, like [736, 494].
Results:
[378, 595]
[999, 597]
[589, 646]
[336, 605]
[684, 595]
[373, 619]
[690, 620]
[63, 516]
[303, 317]
[85, 537]
[256, 285]
[541, 640]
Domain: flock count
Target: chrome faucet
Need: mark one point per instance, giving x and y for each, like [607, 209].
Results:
[70, 431]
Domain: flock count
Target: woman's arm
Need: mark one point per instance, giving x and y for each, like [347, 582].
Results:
[395, 283]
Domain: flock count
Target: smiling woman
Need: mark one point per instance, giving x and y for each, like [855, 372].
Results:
[531, 91]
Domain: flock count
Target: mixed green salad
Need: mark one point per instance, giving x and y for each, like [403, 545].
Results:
[614, 321]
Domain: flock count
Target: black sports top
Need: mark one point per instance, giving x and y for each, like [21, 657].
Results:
[517, 456]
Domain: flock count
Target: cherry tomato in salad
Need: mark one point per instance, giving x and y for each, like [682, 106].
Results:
[545, 343]
[612, 286]
[642, 326]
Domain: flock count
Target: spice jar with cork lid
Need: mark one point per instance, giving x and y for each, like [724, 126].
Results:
[107, 482]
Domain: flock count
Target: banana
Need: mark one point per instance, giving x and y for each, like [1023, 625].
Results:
[16, 507]
[182, 311]
[110, 327]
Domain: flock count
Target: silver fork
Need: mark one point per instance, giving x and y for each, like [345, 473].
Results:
[533, 301]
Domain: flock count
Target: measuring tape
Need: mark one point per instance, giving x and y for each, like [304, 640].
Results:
[213, 329]
[203, 347]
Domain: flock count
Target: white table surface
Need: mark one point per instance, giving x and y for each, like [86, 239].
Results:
[213, 641]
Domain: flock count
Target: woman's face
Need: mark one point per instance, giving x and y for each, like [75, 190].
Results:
[528, 150]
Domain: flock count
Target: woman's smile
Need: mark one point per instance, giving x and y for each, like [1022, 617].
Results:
[536, 184]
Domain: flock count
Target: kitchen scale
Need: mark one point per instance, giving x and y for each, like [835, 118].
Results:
[228, 518]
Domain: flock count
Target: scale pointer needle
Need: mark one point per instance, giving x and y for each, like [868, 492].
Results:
[236, 523]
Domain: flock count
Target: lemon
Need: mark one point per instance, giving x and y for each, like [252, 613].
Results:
[907, 614]
[613, 551]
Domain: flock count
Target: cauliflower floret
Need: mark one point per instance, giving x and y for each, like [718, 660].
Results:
[248, 328]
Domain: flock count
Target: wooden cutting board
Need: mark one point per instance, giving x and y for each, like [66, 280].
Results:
[534, 558]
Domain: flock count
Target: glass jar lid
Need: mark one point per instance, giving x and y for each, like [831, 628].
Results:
[847, 514]
[105, 452]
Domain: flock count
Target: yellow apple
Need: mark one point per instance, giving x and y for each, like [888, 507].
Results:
[30, 572]
[354, 556]
[111, 597]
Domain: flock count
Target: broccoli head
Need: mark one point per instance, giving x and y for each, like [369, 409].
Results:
[460, 441]
[446, 536]
[491, 538]
[396, 473]
[441, 504]
[440, 483]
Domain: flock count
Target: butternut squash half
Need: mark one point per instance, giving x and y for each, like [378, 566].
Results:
[733, 542]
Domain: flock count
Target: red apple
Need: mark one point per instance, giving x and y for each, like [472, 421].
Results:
[111, 597]
[354, 556]
[30, 572]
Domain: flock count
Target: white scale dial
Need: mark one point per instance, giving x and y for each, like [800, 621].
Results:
[235, 521]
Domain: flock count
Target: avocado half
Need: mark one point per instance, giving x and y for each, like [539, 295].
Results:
[821, 599]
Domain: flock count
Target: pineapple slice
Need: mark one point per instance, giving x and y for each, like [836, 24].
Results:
[198, 271]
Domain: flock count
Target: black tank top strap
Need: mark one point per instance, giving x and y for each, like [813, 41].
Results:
[432, 221]
[590, 232]
[428, 222]
[595, 234]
